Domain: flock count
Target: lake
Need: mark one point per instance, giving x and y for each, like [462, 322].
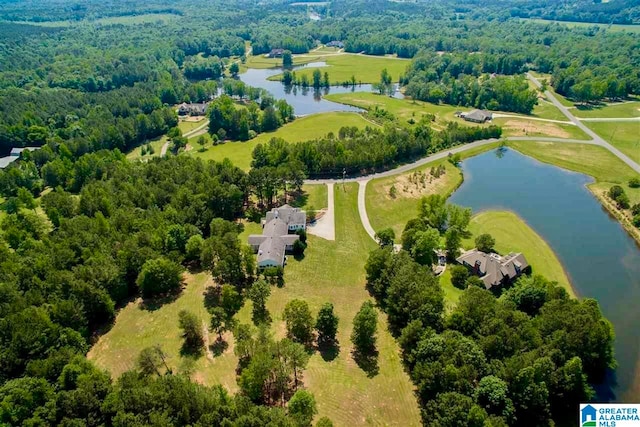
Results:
[601, 259]
[304, 100]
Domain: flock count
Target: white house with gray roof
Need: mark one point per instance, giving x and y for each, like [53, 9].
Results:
[493, 269]
[278, 235]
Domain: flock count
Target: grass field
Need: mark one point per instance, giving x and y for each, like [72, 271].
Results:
[405, 110]
[366, 69]
[512, 234]
[591, 160]
[330, 271]
[187, 126]
[512, 126]
[315, 196]
[302, 129]
[624, 109]
[623, 135]
[136, 153]
[385, 211]
[546, 110]
[574, 24]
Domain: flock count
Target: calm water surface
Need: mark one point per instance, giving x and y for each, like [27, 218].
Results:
[601, 259]
[304, 101]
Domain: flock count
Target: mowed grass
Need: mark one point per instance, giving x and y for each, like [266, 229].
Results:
[365, 68]
[301, 129]
[512, 234]
[626, 109]
[261, 61]
[334, 272]
[314, 197]
[136, 153]
[188, 125]
[330, 272]
[136, 328]
[546, 110]
[591, 160]
[623, 135]
[387, 212]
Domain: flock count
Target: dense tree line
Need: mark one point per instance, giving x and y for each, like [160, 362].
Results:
[464, 80]
[227, 120]
[360, 151]
[524, 358]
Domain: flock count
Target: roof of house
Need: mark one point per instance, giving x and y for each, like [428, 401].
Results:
[15, 152]
[272, 249]
[479, 115]
[290, 216]
[6, 161]
[493, 267]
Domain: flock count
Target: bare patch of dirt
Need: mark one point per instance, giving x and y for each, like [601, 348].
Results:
[416, 184]
[530, 127]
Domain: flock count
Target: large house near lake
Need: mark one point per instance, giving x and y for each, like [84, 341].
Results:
[275, 53]
[193, 109]
[494, 270]
[278, 235]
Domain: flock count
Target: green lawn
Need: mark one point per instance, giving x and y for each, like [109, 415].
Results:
[512, 234]
[623, 135]
[136, 153]
[385, 211]
[187, 126]
[546, 110]
[330, 271]
[451, 293]
[314, 196]
[591, 160]
[302, 129]
[366, 69]
[261, 61]
[624, 109]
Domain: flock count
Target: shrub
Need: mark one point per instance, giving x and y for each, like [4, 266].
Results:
[615, 192]
[634, 182]
[159, 276]
[459, 275]
[485, 243]
[635, 209]
[636, 220]
[622, 201]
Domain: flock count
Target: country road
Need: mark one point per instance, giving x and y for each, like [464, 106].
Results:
[200, 130]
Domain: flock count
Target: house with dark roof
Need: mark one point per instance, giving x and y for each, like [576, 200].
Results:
[335, 43]
[477, 116]
[494, 270]
[275, 53]
[278, 235]
[193, 109]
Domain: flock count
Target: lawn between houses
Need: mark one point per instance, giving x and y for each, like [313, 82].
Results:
[330, 272]
[301, 129]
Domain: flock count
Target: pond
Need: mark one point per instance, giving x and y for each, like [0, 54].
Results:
[304, 100]
[601, 259]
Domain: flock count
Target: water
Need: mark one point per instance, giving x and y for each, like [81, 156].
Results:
[304, 101]
[601, 259]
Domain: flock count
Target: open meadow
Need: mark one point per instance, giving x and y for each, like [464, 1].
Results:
[341, 67]
[623, 135]
[301, 129]
[626, 109]
[331, 271]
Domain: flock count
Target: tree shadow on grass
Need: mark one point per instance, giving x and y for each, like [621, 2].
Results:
[368, 362]
[212, 297]
[218, 347]
[153, 304]
[329, 350]
[298, 199]
[192, 351]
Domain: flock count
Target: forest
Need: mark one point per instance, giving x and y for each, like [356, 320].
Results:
[522, 355]
[85, 230]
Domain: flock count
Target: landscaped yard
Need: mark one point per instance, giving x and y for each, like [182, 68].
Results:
[302, 129]
[365, 68]
[330, 271]
[512, 234]
[189, 125]
[623, 135]
[314, 197]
